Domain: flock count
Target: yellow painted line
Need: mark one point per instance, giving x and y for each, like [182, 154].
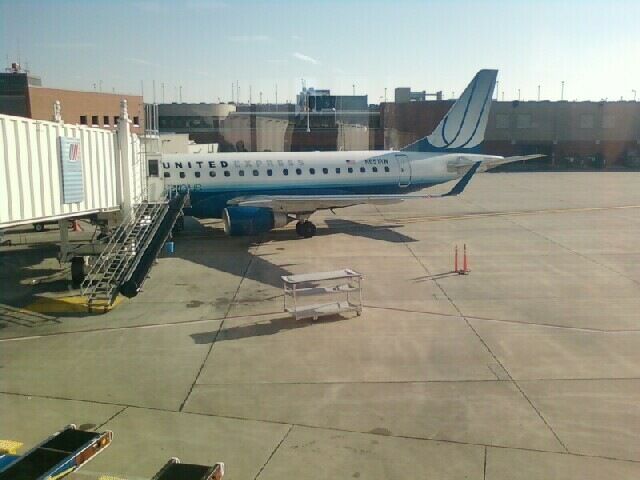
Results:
[10, 447]
[68, 304]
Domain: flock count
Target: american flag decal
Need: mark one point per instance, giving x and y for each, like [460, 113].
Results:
[74, 152]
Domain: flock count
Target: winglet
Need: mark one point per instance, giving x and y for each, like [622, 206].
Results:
[462, 183]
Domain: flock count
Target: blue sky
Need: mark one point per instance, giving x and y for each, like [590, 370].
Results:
[594, 46]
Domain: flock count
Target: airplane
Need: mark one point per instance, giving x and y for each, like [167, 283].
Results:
[255, 192]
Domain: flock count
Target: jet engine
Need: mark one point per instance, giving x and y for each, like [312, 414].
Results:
[252, 220]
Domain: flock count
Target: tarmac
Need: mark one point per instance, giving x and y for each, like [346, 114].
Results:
[527, 368]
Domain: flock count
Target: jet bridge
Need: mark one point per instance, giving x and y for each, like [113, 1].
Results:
[52, 171]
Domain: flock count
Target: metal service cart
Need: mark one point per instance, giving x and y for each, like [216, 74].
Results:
[59, 455]
[344, 287]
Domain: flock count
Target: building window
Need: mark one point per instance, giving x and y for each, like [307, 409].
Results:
[105, 120]
[227, 173]
[241, 173]
[325, 170]
[350, 170]
[269, 172]
[375, 169]
[136, 121]
[83, 119]
[609, 121]
[116, 120]
[167, 174]
[523, 120]
[153, 168]
[337, 170]
[182, 175]
[255, 173]
[586, 120]
[197, 174]
[312, 171]
[212, 173]
[362, 169]
[502, 120]
[94, 120]
[285, 172]
[386, 169]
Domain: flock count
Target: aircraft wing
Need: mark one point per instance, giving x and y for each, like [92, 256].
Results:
[311, 203]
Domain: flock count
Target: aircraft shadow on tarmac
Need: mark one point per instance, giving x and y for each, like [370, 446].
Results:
[244, 264]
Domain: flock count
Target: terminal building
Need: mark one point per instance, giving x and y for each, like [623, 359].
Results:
[22, 94]
[570, 134]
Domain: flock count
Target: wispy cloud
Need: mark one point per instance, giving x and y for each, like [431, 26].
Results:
[296, 37]
[305, 58]
[150, 6]
[69, 45]
[206, 5]
[249, 38]
[141, 61]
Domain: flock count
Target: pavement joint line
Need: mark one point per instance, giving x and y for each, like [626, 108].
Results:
[515, 383]
[136, 327]
[334, 429]
[111, 418]
[273, 452]
[206, 358]
[581, 255]
[503, 320]
[514, 213]
[484, 474]
[565, 247]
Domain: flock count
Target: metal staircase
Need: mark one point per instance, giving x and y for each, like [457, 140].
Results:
[123, 252]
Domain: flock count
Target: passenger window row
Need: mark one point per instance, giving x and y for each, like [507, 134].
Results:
[285, 172]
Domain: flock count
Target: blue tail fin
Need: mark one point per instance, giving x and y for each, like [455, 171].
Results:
[462, 128]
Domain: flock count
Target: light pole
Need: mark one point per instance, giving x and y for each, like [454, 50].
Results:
[562, 91]
[518, 94]
[634, 95]
[497, 88]
[354, 89]
[385, 94]
[538, 92]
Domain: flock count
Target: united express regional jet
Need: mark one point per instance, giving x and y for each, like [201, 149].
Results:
[258, 191]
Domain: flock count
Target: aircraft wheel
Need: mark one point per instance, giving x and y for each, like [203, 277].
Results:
[299, 226]
[308, 229]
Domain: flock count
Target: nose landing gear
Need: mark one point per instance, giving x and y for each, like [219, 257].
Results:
[305, 229]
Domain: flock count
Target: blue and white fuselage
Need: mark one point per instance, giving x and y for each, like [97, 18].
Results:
[216, 179]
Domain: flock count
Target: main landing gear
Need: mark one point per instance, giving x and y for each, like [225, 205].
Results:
[305, 229]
